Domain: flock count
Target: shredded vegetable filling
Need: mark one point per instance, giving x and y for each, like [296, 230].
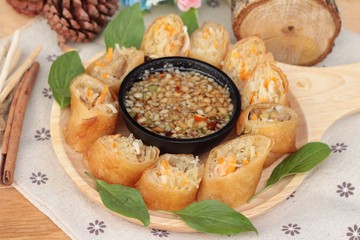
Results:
[168, 38]
[129, 146]
[95, 96]
[274, 114]
[182, 173]
[228, 160]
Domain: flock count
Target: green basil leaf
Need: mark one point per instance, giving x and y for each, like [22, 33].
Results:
[212, 216]
[63, 70]
[126, 29]
[303, 160]
[124, 200]
[190, 19]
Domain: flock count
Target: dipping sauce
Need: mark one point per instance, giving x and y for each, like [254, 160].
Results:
[179, 104]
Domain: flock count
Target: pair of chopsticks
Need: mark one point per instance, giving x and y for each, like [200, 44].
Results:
[23, 79]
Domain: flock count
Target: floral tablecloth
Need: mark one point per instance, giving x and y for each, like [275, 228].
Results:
[325, 206]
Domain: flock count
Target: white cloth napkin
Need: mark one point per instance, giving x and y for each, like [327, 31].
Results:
[325, 206]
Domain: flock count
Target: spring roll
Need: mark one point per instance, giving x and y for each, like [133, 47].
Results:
[275, 121]
[166, 36]
[268, 84]
[242, 59]
[120, 160]
[233, 170]
[94, 112]
[114, 65]
[171, 184]
[210, 43]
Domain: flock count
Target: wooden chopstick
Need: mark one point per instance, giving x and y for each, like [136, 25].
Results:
[5, 71]
[3, 50]
[14, 124]
[15, 77]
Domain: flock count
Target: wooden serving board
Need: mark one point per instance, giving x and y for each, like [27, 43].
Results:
[320, 96]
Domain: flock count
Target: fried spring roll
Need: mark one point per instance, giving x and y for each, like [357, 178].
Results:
[94, 112]
[275, 121]
[242, 59]
[233, 170]
[268, 84]
[166, 36]
[210, 43]
[113, 66]
[171, 184]
[120, 160]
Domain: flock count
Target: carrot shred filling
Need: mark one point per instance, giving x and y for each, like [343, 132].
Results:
[101, 99]
[109, 55]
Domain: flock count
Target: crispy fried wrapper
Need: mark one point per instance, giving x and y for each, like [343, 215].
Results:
[172, 183]
[210, 43]
[275, 121]
[120, 160]
[166, 36]
[233, 170]
[94, 112]
[114, 65]
[243, 57]
[267, 84]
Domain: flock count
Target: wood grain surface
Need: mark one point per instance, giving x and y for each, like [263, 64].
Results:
[19, 219]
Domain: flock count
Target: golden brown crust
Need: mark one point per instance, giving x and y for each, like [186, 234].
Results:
[117, 167]
[267, 84]
[283, 133]
[210, 43]
[159, 196]
[166, 37]
[236, 188]
[86, 125]
[112, 68]
[243, 57]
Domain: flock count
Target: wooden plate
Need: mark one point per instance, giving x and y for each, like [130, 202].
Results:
[318, 95]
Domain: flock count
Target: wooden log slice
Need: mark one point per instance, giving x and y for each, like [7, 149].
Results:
[300, 32]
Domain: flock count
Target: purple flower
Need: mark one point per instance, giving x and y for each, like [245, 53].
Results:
[96, 227]
[338, 147]
[42, 134]
[291, 229]
[38, 178]
[47, 93]
[345, 189]
[354, 233]
[159, 232]
[51, 57]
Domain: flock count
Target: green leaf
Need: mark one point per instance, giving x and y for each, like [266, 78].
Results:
[63, 70]
[190, 19]
[126, 29]
[123, 200]
[212, 216]
[303, 160]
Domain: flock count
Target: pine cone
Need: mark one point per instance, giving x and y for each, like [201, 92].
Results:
[79, 20]
[28, 7]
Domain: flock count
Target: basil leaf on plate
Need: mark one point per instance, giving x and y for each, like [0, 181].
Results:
[123, 200]
[190, 19]
[212, 216]
[63, 70]
[303, 160]
[126, 29]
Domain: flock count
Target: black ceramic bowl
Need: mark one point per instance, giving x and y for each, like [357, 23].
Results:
[168, 144]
